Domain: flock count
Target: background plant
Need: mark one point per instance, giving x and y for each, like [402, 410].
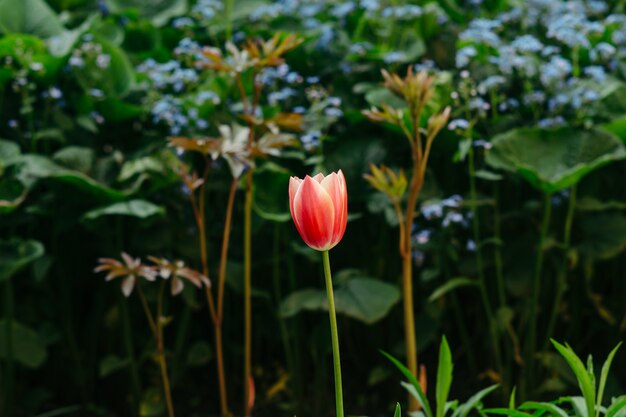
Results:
[92, 90]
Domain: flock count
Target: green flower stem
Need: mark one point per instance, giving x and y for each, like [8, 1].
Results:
[562, 275]
[334, 334]
[534, 300]
[482, 285]
[497, 232]
[247, 293]
[161, 353]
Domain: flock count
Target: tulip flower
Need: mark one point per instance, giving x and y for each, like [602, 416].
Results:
[319, 208]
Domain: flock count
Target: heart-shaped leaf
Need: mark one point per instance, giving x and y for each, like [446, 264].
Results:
[554, 159]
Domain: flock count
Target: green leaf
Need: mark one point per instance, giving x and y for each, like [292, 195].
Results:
[506, 412]
[34, 17]
[78, 158]
[585, 381]
[512, 397]
[365, 299]
[15, 254]
[270, 185]
[555, 159]
[199, 354]
[8, 152]
[603, 235]
[27, 347]
[616, 407]
[110, 364]
[546, 407]
[604, 374]
[421, 397]
[473, 402]
[140, 209]
[444, 376]
[33, 168]
[159, 11]
[398, 412]
[451, 285]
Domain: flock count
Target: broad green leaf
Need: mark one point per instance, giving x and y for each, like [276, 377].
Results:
[110, 364]
[32, 168]
[307, 299]
[8, 152]
[421, 397]
[592, 204]
[27, 347]
[78, 158]
[603, 235]
[364, 299]
[398, 412]
[473, 402]
[159, 11]
[140, 209]
[554, 159]
[546, 407]
[444, 376]
[34, 17]
[15, 254]
[451, 285]
[270, 183]
[604, 374]
[585, 381]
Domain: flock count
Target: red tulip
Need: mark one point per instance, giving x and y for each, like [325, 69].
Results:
[319, 208]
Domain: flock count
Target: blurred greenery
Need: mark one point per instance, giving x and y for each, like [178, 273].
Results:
[92, 92]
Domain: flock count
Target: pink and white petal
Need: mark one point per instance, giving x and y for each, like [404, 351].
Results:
[319, 177]
[314, 214]
[177, 286]
[294, 184]
[334, 184]
[127, 285]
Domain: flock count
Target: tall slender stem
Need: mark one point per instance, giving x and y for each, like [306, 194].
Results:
[161, 353]
[497, 227]
[247, 260]
[230, 5]
[219, 351]
[534, 300]
[334, 335]
[562, 275]
[200, 215]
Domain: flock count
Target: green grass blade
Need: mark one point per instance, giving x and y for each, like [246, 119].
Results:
[603, 377]
[512, 398]
[465, 408]
[444, 377]
[398, 412]
[506, 412]
[552, 409]
[616, 407]
[421, 397]
[585, 381]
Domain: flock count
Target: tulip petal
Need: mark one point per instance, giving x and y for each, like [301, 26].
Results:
[319, 177]
[314, 214]
[294, 184]
[335, 186]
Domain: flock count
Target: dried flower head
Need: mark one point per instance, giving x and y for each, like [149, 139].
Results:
[415, 89]
[178, 272]
[270, 53]
[385, 180]
[130, 270]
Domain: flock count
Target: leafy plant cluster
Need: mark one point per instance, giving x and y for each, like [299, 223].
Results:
[170, 130]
